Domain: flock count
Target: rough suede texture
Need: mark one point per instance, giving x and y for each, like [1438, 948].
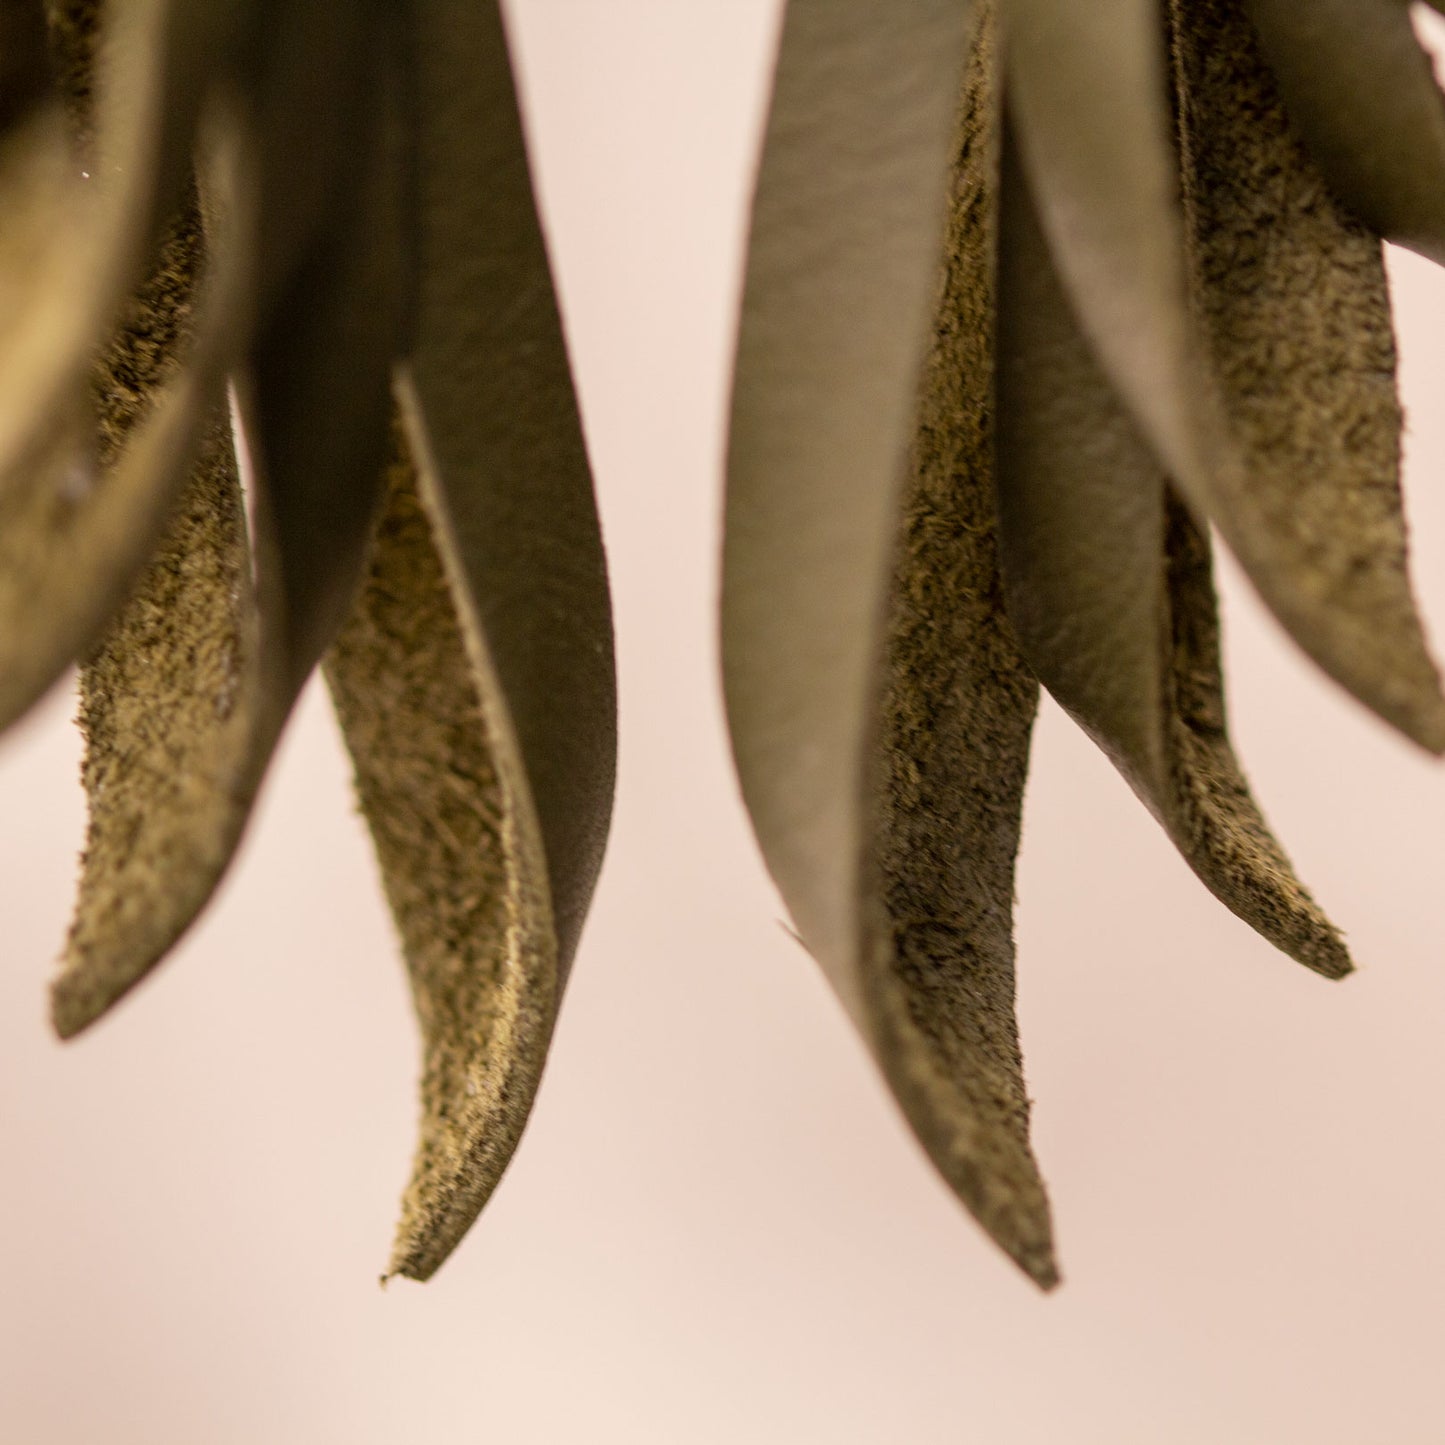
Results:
[492, 390]
[1292, 298]
[1128, 644]
[423, 736]
[60, 513]
[1212, 816]
[309, 302]
[1363, 95]
[958, 712]
[167, 704]
[165, 694]
[171, 773]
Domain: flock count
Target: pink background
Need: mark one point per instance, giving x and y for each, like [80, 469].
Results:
[717, 1229]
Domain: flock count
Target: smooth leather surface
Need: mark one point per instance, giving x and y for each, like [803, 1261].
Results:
[1081, 508]
[494, 395]
[847, 229]
[883, 766]
[1363, 95]
[1087, 92]
[1110, 590]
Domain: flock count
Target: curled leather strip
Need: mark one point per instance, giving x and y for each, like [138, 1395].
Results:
[487, 385]
[865, 687]
[1363, 95]
[1192, 330]
[442, 783]
[1089, 95]
[314, 490]
[1294, 308]
[847, 230]
[104, 208]
[958, 711]
[1110, 589]
[378, 253]
[474, 682]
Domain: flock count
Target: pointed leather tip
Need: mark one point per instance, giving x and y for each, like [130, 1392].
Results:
[415, 1259]
[1375, 649]
[1422, 720]
[1038, 1262]
[1387, 666]
[436, 1214]
[78, 999]
[1022, 1229]
[1326, 956]
[107, 956]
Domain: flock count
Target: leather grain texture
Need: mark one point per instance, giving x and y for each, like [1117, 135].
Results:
[493, 396]
[958, 712]
[1294, 309]
[88, 220]
[847, 233]
[1089, 94]
[324, 352]
[440, 779]
[1363, 95]
[475, 682]
[1109, 586]
[878, 711]
[362, 260]
[1088, 99]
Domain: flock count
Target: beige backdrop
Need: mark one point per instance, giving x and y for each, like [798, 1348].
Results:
[717, 1230]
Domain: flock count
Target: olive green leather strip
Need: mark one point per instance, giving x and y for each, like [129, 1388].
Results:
[847, 234]
[103, 210]
[1081, 509]
[1089, 95]
[440, 781]
[168, 707]
[1088, 99]
[475, 679]
[1295, 309]
[958, 709]
[79, 513]
[315, 389]
[1109, 586]
[491, 392]
[880, 716]
[1363, 96]
[68, 507]
[1214, 820]
[314, 394]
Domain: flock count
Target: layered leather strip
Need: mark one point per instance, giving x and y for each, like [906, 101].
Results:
[1364, 98]
[847, 235]
[868, 686]
[1109, 586]
[1294, 308]
[474, 675]
[72, 504]
[958, 710]
[442, 784]
[488, 387]
[106, 166]
[154, 855]
[475, 681]
[1089, 93]
[1088, 99]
